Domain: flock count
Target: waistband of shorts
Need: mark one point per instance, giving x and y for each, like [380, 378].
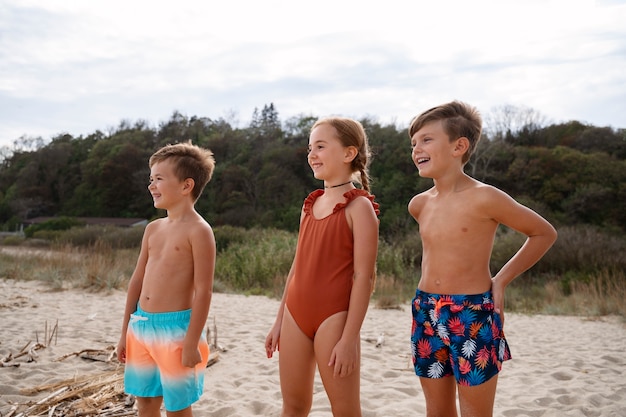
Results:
[483, 299]
[165, 317]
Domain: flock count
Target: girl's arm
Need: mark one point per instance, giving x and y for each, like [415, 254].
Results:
[273, 337]
[364, 223]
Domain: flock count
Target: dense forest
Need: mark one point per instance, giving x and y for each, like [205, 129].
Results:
[572, 173]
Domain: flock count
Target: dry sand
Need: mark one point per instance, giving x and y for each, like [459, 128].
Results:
[561, 366]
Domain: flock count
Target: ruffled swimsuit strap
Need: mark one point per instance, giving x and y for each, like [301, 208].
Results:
[348, 195]
[308, 202]
[352, 194]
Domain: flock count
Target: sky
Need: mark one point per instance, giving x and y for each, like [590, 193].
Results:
[79, 66]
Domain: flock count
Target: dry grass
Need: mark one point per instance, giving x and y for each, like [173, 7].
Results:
[601, 294]
[98, 268]
[599, 291]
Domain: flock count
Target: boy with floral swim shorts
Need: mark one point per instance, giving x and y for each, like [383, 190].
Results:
[457, 340]
[170, 291]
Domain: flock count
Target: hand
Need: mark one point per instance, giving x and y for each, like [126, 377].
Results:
[497, 292]
[272, 341]
[344, 358]
[191, 356]
[121, 350]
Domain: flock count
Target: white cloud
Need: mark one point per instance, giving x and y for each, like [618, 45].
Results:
[78, 66]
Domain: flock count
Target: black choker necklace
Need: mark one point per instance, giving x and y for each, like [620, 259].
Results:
[338, 185]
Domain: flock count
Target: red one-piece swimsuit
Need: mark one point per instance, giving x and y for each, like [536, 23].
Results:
[324, 267]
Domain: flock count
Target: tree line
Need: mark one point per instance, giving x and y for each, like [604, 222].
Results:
[572, 173]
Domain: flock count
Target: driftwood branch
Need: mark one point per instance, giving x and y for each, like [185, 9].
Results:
[90, 395]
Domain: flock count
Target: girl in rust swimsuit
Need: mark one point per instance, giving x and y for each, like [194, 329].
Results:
[332, 276]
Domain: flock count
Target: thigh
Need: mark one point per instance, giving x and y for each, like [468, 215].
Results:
[343, 392]
[478, 400]
[296, 366]
[440, 396]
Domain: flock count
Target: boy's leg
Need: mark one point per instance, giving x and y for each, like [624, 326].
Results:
[297, 368]
[343, 392]
[149, 406]
[440, 395]
[187, 412]
[477, 401]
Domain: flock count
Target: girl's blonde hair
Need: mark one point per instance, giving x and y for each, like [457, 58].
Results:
[351, 133]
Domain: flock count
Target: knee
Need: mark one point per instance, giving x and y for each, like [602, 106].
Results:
[296, 410]
[149, 406]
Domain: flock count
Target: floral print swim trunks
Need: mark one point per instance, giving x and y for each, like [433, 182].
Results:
[458, 335]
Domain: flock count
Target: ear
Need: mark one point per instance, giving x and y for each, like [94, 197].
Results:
[350, 153]
[461, 146]
[188, 185]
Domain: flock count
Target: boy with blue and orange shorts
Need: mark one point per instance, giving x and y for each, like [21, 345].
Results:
[162, 341]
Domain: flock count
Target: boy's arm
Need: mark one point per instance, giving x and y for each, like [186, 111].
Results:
[541, 235]
[203, 250]
[133, 293]
[365, 233]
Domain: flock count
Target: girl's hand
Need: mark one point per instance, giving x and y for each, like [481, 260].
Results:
[272, 341]
[344, 358]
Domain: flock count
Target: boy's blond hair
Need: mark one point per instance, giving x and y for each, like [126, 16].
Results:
[190, 161]
[459, 119]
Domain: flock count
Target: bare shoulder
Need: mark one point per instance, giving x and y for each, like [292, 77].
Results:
[361, 202]
[418, 201]
[361, 207]
[490, 196]
[153, 226]
[200, 228]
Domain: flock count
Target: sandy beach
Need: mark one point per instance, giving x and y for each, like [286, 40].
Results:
[561, 366]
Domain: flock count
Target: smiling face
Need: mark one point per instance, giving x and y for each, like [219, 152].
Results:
[432, 149]
[327, 155]
[166, 188]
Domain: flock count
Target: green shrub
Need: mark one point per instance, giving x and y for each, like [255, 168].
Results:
[227, 235]
[113, 236]
[13, 240]
[60, 223]
[257, 264]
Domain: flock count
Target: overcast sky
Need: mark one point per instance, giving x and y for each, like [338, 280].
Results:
[78, 66]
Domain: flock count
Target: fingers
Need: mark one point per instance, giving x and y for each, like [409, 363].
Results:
[121, 355]
[270, 346]
[342, 371]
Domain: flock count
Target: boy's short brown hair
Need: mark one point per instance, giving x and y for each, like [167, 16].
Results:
[190, 161]
[459, 119]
